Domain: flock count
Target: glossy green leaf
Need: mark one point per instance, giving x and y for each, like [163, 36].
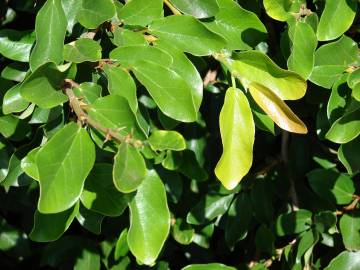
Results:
[88, 92]
[50, 28]
[90, 220]
[254, 66]
[61, 183]
[161, 140]
[349, 157]
[187, 34]
[346, 128]
[209, 266]
[82, 50]
[121, 247]
[182, 232]
[100, 195]
[303, 48]
[94, 13]
[15, 71]
[350, 230]
[336, 18]
[209, 207]
[169, 90]
[49, 227]
[42, 87]
[198, 8]
[345, 260]
[16, 45]
[281, 9]
[8, 125]
[28, 164]
[125, 37]
[141, 12]
[13, 101]
[237, 133]
[71, 8]
[121, 83]
[276, 109]
[332, 59]
[149, 220]
[293, 222]
[332, 185]
[129, 168]
[241, 29]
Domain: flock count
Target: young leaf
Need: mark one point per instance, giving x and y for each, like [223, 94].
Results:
[63, 163]
[50, 28]
[149, 220]
[141, 12]
[100, 195]
[254, 66]
[276, 109]
[129, 168]
[94, 13]
[81, 50]
[168, 89]
[241, 29]
[336, 18]
[187, 34]
[200, 9]
[49, 227]
[237, 134]
[16, 45]
[161, 140]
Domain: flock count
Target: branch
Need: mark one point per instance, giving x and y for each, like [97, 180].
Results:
[172, 8]
[82, 116]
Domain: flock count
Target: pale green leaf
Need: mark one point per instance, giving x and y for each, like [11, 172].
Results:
[81, 50]
[198, 8]
[141, 12]
[16, 45]
[161, 140]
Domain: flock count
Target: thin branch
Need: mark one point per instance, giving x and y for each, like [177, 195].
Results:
[83, 117]
[172, 8]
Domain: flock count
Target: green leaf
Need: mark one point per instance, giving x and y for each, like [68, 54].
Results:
[130, 56]
[182, 232]
[50, 28]
[28, 164]
[82, 50]
[241, 29]
[261, 200]
[42, 86]
[332, 185]
[304, 43]
[332, 59]
[50, 227]
[71, 9]
[336, 18]
[198, 8]
[13, 101]
[307, 242]
[89, 92]
[121, 247]
[345, 260]
[100, 195]
[8, 125]
[63, 163]
[281, 9]
[169, 90]
[187, 34]
[237, 134]
[277, 109]
[15, 71]
[141, 12]
[149, 220]
[254, 66]
[161, 140]
[90, 220]
[209, 207]
[209, 266]
[350, 230]
[121, 83]
[16, 45]
[125, 37]
[346, 128]
[94, 13]
[88, 260]
[349, 157]
[129, 168]
[293, 222]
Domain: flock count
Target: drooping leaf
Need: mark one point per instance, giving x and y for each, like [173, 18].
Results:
[50, 29]
[63, 164]
[198, 8]
[94, 13]
[237, 133]
[129, 168]
[256, 67]
[149, 220]
[276, 109]
[336, 18]
[187, 34]
[16, 45]
[350, 230]
[100, 195]
[141, 12]
[241, 29]
[81, 50]
[161, 140]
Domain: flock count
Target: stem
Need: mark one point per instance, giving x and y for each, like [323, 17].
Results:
[172, 8]
[82, 116]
